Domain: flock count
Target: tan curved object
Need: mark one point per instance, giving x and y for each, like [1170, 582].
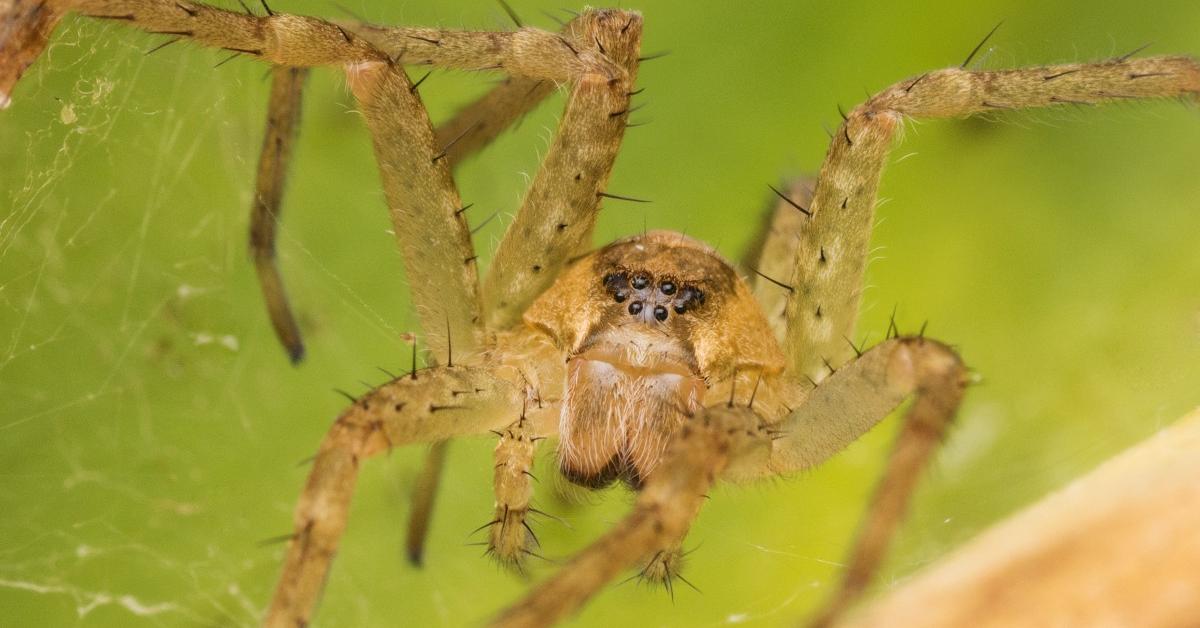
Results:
[1117, 547]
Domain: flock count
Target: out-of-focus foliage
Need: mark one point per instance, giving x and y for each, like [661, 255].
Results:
[150, 426]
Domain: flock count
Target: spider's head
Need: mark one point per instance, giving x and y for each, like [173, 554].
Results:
[659, 300]
[647, 324]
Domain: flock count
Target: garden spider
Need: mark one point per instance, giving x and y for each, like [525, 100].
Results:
[518, 373]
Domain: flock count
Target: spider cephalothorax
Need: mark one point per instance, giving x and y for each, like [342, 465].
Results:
[648, 323]
[650, 359]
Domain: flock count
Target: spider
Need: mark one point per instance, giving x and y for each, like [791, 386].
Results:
[651, 359]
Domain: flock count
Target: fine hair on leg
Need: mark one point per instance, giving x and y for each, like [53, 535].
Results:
[827, 279]
[428, 406]
[283, 122]
[555, 221]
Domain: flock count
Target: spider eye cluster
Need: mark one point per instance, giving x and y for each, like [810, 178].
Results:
[644, 293]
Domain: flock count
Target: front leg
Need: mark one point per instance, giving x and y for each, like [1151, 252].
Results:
[425, 208]
[509, 534]
[426, 406]
[825, 286]
[666, 507]
[843, 408]
[555, 221]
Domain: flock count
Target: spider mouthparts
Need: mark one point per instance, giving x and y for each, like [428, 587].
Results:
[619, 413]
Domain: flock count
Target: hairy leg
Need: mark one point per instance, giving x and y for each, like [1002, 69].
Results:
[509, 535]
[295, 40]
[282, 39]
[426, 406]
[292, 40]
[525, 52]
[425, 208]
[536, 59]
[423, 498]
[554, 223]
[479, 123]
[25, 28]
[845, 406]
[426, 223]
[470, 130]
[827, 278]
[283, 122]
[665, 508]
[475, 126]
[771, 255]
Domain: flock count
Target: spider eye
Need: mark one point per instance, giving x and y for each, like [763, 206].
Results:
[620, 297]
[660, 313]
[635, 308]
[639, 282]
[688, 296]
[667, 287]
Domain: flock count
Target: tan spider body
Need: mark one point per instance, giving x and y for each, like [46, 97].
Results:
[661, 321]
[651, 360]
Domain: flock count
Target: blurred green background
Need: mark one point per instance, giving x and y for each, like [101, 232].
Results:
[150, 427]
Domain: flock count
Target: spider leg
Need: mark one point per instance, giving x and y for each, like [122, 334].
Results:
[422, 498]
[1115, 547]
[283, 121]
[282, 39]
[424, 204]
[555, 221]
[769, 259]
[25, 28]
[432, 233]
[827, 277]
[845, 406]
[669, 501]
[476, 125]
[430, 405]
[664, 566]
[471, 129]
[468, 131]
[295, 40]
[445, 291]
[509, 535]
[301, 41]
[526, 52]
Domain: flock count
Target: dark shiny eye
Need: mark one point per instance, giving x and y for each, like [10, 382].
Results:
[689, 296]
[620, 297]
[614, 281]
[635, 308]
[639, 282]
[667, 287]
[680, 308]
[660, 313]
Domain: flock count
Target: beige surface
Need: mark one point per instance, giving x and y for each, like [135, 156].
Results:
[1118, 547]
